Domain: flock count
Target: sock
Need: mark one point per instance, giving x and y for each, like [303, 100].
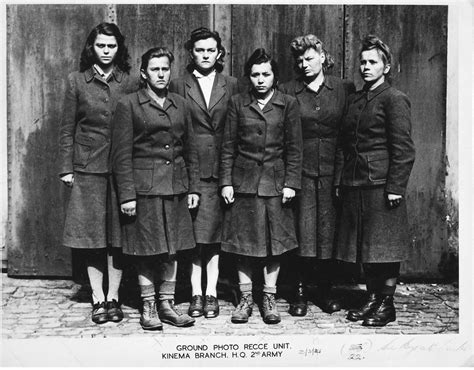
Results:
[147, 292]
[269, 289]
[245, 288]
[167, 290]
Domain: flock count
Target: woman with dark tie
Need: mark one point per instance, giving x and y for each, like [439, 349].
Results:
[378, 156]
[322, 99]
[155, 164]
[207, 90]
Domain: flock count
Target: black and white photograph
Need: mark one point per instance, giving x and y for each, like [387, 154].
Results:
[233, 184]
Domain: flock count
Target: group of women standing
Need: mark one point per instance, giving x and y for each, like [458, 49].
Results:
[202, 165]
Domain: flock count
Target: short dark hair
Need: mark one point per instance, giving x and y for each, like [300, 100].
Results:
[203, 33]
[371, 42]
[157, 52]
[88, 56]
[260, 56]
[300, 44]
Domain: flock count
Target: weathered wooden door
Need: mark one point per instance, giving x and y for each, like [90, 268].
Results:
[44, 43]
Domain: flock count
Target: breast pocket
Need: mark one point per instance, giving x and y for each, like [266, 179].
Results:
[378, 166]
[143, 177]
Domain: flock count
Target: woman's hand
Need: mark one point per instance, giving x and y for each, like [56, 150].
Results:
[288, 194]
[393, 200]
[68, 179]
[227, 193]
[129, 208]
[193, 201]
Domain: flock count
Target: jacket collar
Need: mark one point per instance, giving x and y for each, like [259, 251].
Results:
[251, 100]
[370, 94]
[90, 73]
[300, 84]
[144, 98]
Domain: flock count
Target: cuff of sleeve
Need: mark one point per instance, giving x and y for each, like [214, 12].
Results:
[295, 185]
[394, 189]
[127, 200]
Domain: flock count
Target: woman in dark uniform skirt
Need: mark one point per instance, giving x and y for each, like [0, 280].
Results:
[207, 91]
[378, 157]
[84, 145]
[260, 172]
[155, 164]
[322, 99]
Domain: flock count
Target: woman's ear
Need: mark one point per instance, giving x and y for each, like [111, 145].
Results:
[386, 69]
[143, 74]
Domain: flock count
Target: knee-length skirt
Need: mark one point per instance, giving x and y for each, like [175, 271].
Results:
[88, 212]
[207, 218]
[259, 226]
[369, 231]
[316, 217]
[162, 225]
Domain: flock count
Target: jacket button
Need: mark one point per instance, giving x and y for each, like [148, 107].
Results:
[318, 108]
[106, 113]
[167, 146]
[106, 100]
[259, 132]
[168, 162]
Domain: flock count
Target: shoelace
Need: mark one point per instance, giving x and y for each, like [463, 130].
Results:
[151, 310]
[244, 301]
[175, 309]
[271, 301]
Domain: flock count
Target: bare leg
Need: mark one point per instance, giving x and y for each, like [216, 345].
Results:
[196, 273]
[114, 270]
[212, 270]
[96, 265]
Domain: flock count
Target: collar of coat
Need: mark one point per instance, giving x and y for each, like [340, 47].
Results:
[91, 72]
[143, 98]
[194, 90]
[370, 94]
[300, 84]
[250, 99]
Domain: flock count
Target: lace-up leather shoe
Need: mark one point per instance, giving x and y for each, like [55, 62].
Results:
[149, 319]
[172, 315]
[196, 306]
[299, 307]
[371, 305]
[270, 311]
[211, 307]
[384, 313]
[114, 312]
[99, 313]
[243, 310]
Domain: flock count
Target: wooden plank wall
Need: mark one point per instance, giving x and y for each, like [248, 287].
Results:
[44, 43]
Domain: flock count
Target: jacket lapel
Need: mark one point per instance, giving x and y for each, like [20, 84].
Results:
[218, 91]
[194, 92]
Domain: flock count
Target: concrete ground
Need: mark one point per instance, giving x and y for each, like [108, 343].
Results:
[35, 308]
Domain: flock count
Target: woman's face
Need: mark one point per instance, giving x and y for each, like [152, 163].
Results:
[310, 63]
[205, 54]
[262, 77]
[372, 67]
[105, 48]
[158, 73]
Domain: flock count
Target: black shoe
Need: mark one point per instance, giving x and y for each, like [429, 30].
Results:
[149, 319]
[327, 303]
[171, 315]
[196, 306]
[114, 312]
[384, 314]
[371, 305]
[211, 307]
[243, 310]
[300, 305]
[270, 311]
[99, 313]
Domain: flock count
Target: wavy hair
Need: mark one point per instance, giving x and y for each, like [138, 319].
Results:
[204, 33]
[88, 56]
[300, 44]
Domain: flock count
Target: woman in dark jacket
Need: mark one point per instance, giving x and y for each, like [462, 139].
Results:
[207, 91]
[322, 99]
[84, 145]
[378, 156]
[261, 167]
[155, 164]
